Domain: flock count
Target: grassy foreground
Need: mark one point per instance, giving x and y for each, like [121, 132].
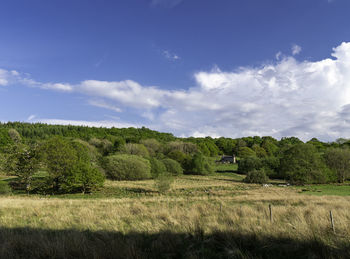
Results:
[201, 217]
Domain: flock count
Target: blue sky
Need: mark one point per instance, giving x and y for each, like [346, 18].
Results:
[191, 67]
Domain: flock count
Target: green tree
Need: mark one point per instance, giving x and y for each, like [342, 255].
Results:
[23, 162]
[135, 149]
[85, 178]
[60, 160]
[248, 164]
[338, 160]
[259, 151]
[270, 147]
[244, 152]
[153, 146]
[302, 164]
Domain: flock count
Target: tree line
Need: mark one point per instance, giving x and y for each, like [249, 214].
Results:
[64, 159]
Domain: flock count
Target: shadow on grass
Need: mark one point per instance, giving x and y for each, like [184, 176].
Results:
[39, 243]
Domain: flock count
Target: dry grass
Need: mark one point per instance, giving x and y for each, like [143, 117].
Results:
[232, 208]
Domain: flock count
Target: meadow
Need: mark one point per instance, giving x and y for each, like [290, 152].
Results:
[214, 216]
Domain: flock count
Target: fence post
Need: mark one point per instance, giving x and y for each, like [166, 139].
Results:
[332, 221]
[270, 209]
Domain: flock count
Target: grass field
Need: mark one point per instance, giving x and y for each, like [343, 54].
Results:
[214, 216]
[327, 189]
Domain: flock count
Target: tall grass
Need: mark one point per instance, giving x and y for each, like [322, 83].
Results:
[200, 217]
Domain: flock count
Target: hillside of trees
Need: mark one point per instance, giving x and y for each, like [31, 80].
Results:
[54, 159]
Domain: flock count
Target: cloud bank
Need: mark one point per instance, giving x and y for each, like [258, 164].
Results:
[286, 98]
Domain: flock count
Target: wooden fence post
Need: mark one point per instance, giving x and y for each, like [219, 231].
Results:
[332, 221]
[270, 209]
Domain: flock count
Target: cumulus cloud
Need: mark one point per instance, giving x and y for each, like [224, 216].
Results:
[296, 49]
[285, 98]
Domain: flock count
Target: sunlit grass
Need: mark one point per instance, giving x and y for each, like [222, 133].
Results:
[195, 203]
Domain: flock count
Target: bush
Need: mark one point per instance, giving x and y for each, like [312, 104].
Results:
[172, 166]
[4, 188]
[256, 176]
[200, 165]
[127, 167]
[157, 167]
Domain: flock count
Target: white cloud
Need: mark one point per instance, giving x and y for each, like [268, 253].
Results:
[103, 104]
[287, 98]
[62, 87]
[296, 49]
[6, 77]
[278, 55]
[128, 93]
[31, 117]
[171, 56]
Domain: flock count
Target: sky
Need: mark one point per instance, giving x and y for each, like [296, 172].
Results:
[198, 68]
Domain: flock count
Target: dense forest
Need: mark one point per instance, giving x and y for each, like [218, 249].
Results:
[62, 159]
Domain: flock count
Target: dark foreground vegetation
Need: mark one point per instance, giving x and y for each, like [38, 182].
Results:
[39, 243]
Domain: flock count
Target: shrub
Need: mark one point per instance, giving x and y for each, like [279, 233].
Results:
[172, 166]
[200, 165]
[4, 188]
[256, 176]
[157, 167]
[127, 167]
